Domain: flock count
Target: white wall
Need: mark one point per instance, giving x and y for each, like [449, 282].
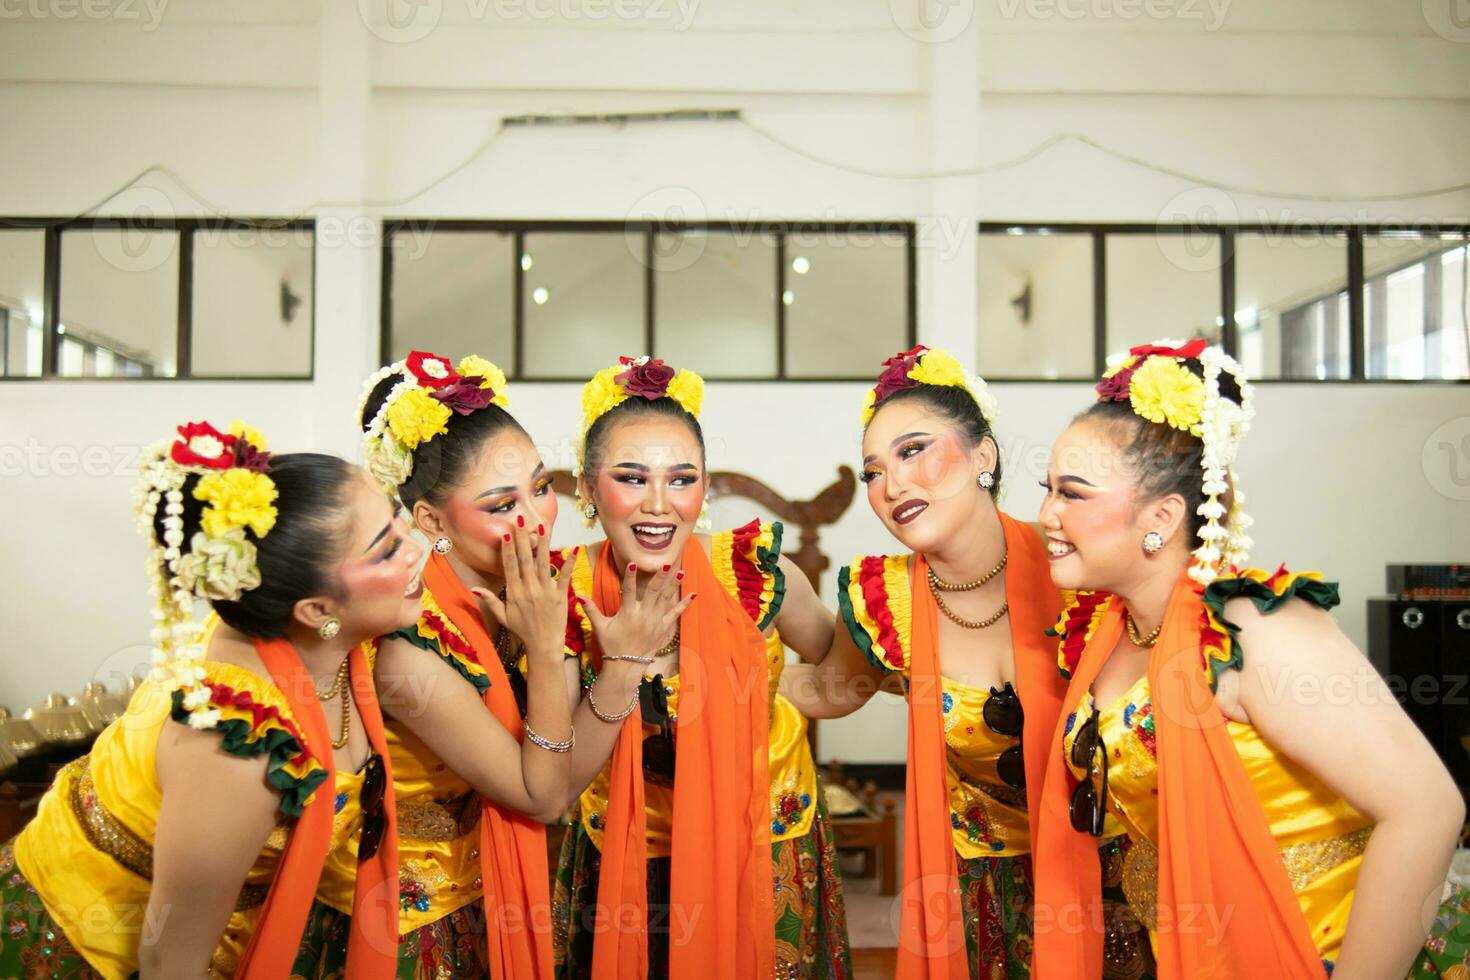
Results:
[280, 107]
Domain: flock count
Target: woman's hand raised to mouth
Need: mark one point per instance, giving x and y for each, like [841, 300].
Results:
[645, 620]
[535, 604]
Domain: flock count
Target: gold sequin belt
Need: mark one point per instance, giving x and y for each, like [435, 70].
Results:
[1305, 863]
[108, 834]
[427, 820]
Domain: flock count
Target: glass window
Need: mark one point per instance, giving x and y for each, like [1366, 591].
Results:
[582, 301]
[1034, 297]
[1163, 284]
[848, 310]
[1414, 306]
[1291, 306]
[22, 265]
[120, 290]
[252, 315]
[72, 362]
[453, 292]
[715, 302]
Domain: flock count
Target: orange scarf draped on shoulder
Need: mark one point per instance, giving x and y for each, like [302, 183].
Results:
[932, 930]
[372, 947]
[1222, 883]
[512, 845]
[722, 911]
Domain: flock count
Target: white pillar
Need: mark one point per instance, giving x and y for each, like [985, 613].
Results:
[348, 241]
[947, 232]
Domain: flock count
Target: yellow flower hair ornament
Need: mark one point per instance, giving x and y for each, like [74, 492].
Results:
[1159, 386]
[928, 366]
[219, 562]
[636, 377]
[430, 391]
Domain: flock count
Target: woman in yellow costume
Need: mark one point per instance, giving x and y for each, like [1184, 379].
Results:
[960, 620]
[711, 794]
[1280, 829]
[191, 838]
[486, 652]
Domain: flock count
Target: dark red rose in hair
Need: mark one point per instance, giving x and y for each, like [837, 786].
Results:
[250, 458]
[895, 376]
[201, 444]
[1115, 389]
[431, 370]
[464, 396]
[646, 377]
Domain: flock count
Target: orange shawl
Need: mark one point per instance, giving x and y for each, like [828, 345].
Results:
[512, 845]
[1215, 847]
[721, 897]
[932, 932]
[372, 948]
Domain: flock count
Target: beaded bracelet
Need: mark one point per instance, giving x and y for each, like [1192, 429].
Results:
[541, 742]
[611, 718]
[629, 659]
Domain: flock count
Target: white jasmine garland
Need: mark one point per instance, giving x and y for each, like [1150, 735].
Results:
[1223, 425]
[217, 568]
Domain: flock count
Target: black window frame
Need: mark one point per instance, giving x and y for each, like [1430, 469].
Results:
[51, 318]
[1227, 232]
[780, 231]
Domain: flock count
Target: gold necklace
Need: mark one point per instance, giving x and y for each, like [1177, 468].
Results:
[935, 586]
[1146, 642]
[339, 686]
[941, 585]
[337, 683]
[337, 743]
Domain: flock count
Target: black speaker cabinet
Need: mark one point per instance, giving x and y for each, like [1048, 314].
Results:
[1422, 647]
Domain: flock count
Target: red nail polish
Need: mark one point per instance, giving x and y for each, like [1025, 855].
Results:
[632, 566]
[678, 576]
[667, 567]
[507, 537]
[520, 520]
[694, 595]
[541, 529]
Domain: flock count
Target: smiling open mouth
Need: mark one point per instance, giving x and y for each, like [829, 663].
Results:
[1059, 549]
[415, 586]
[653, 537]
[906, 513]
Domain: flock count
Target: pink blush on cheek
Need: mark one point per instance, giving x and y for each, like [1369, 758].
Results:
[367, 581]
[618, 500]
[477, 524]
[941, 463]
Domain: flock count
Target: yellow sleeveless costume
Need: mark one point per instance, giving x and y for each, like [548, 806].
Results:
[77, 878]
[811, 930]
[1321, 837]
